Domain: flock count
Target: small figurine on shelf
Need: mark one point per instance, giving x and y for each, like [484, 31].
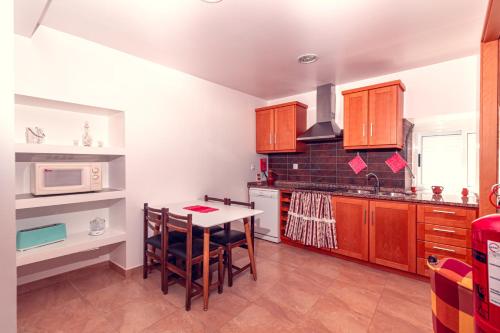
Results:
[86, 138]
[35, 135]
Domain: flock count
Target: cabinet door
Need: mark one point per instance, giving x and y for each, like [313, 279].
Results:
[351, 217]
[356, 119]
[285, 135]
[393, 234]
[383, 116]
[264, 130]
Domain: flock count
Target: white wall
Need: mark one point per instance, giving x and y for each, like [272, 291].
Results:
[184, 136]
[443, 88]
[7, 209]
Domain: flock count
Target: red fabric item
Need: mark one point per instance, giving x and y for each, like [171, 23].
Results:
[396, 162]
[201, 209]
[357, 164]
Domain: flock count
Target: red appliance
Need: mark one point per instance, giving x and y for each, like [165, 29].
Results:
[486, 273]
[263, 165]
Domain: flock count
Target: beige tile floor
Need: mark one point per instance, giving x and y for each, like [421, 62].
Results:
[297, 291]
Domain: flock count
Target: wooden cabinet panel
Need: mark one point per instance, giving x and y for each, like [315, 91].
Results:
[351, 217]
[264, 130]
[373, 116]
[426, 249]
[382, 116]
[356, 119]
[446, 215]
[284, 135]
[393, 234]
[278, 126]
[444, 234]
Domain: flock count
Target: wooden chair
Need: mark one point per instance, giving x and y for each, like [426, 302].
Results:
[153, 220]
[231, 239]
[187, 254]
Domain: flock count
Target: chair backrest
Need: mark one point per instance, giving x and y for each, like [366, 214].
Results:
[250, 205]
[178, 223]
[153, 219]
[208, 198]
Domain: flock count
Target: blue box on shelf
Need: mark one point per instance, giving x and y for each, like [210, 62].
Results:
[34, 237]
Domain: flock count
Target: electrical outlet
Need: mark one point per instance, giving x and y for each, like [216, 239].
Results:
[252, 167]
[295, 166]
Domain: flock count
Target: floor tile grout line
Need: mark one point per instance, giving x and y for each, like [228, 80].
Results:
[376, 307]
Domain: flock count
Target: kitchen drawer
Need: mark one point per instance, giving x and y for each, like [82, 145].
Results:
[426, 249]
[446, 215]
[444, 234]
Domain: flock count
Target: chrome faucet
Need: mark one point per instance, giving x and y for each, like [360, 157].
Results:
[377, 183]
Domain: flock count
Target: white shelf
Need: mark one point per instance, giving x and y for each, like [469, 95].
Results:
[74, 243]
[26, 152]
[27, 200]
[63, 105]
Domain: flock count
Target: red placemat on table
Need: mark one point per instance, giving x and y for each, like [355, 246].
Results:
[396, 162]
[201, 209]
[357, 164]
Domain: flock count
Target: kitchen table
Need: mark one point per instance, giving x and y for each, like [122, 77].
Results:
[223, 214]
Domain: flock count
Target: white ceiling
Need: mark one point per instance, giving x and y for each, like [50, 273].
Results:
[252, 45]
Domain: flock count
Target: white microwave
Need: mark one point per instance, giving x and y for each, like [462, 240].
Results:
[65, 177]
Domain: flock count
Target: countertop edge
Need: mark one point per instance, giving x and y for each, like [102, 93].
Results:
[340, 193]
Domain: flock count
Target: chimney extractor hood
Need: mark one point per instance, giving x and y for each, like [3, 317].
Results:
[325, 129]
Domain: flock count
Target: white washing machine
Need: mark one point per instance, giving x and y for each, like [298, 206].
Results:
[267, 225]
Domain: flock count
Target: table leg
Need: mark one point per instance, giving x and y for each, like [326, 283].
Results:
[206, 266]
[248, 235]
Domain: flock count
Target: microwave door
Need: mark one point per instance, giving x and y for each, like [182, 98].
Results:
[64, 180]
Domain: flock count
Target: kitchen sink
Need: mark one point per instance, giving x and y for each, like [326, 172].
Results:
[392, 194]
[360, 191]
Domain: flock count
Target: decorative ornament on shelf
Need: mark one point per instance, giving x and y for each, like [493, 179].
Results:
[357, 164]
[97, 226]
[35, 135]
[86, 138]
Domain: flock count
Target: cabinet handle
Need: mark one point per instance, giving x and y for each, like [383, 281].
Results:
[443, 249]
[365, 215]
[371, 129]
[275, 137]
[270, 138]
[444, 230]
[364, 129]
[373, 219]
[443, 212]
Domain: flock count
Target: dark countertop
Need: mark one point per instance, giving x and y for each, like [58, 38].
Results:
[335, 190]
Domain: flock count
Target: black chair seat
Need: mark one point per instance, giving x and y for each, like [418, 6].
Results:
[173, 237]
[198, 231]
[179, 249]
[223, 237]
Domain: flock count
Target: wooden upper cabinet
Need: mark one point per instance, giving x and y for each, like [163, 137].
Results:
[285, 137]
[355, 119]
[264, 123]
[278, 126]
[393, 234]
[373, 116]
[351, 223]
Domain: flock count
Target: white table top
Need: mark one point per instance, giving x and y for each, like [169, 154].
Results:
[224, 214]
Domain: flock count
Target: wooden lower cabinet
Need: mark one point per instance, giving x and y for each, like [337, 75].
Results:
[393, 234]
[351, 217]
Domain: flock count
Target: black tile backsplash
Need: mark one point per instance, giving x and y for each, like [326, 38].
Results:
[327, 163]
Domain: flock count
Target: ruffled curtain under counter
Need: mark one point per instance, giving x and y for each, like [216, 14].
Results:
[310, 220]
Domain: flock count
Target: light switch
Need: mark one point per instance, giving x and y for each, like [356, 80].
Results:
[295, 166]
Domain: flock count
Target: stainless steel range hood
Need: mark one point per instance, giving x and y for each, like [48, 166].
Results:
[325, 129]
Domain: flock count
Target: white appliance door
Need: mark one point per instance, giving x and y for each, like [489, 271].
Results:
[267, 225]
[70, 178]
